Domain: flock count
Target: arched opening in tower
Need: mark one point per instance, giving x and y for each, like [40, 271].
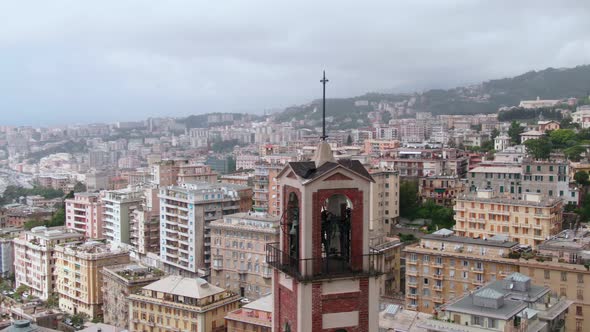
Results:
[293, 226]
[336, 228]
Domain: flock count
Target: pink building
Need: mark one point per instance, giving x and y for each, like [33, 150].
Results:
[84, 214]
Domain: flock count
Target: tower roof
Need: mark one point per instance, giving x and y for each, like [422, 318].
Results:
[307, 170]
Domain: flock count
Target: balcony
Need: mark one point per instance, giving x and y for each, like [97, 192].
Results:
[478, 282]
[437, 276]
[309, 269]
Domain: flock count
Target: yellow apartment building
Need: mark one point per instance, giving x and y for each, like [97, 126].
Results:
[528, 222]
[78, 268]
[443, 267]
[175, 304]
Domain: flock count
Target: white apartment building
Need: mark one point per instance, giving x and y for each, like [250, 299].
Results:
[582, 116]
[34, 260]
[117, 210]
[185, 214]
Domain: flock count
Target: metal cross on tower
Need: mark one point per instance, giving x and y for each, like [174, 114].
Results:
[324, 81]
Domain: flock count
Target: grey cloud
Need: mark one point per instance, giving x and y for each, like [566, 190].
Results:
[78, 61]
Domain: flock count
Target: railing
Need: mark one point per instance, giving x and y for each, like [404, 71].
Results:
[332, 266]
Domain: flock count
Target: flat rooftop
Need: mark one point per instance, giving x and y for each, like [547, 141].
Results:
[468, 240]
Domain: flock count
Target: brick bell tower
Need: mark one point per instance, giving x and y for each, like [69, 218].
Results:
[325, 274]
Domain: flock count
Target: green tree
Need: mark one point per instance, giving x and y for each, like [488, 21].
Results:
[562, 138]
[539, 148]
[20, 290]
[52, 301]
[77, 320]
[408, 198]
[79, 187]
[495, 133]
[514, 132]
[581, 178]
[574, 153]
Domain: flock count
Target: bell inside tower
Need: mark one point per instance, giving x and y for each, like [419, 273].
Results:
[293, 226]
[336, 226]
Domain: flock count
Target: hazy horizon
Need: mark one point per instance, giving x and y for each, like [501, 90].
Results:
[76, 62]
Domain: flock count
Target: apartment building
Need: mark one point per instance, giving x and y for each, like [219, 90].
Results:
[6, 256]
[380, 146]
[514, 179]
[512, 304]
[253, 317]
[117, 209]
[145, 226]
[120, 281]
[389, 250]
[441, 189]
[265, 196]
[443, 267]
[529, 221]
[245, 161]
[54, 181]
[84, 214]
[175, 304]
[79, 281]
[34, 260]
[384, 199]
[186, 212]
[238, 247]
[558, 264]
[424, 162]
[171, 172]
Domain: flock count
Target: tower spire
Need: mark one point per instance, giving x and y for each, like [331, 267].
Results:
[324, 81]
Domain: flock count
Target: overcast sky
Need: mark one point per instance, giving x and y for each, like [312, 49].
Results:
[86, 61]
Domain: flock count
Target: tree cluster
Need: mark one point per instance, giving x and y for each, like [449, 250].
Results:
[520, 113]
[411, 208]
[13, 192]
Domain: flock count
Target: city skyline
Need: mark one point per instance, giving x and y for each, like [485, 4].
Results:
[73, 63]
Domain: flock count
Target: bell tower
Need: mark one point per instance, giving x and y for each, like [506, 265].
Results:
[325, 274]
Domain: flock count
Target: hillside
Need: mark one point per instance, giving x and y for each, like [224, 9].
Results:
[486, 97]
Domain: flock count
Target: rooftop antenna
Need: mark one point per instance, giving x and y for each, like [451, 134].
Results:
[324, 81]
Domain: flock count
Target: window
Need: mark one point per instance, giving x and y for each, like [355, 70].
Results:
[550, 193]
[538, 168]
[580, 278]
[562, 291]
[547, 274]
[425, 281]
[492, 323]
[580, 294]
[564, 276]
[465, 275]
[579, 311]
[476, 320]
